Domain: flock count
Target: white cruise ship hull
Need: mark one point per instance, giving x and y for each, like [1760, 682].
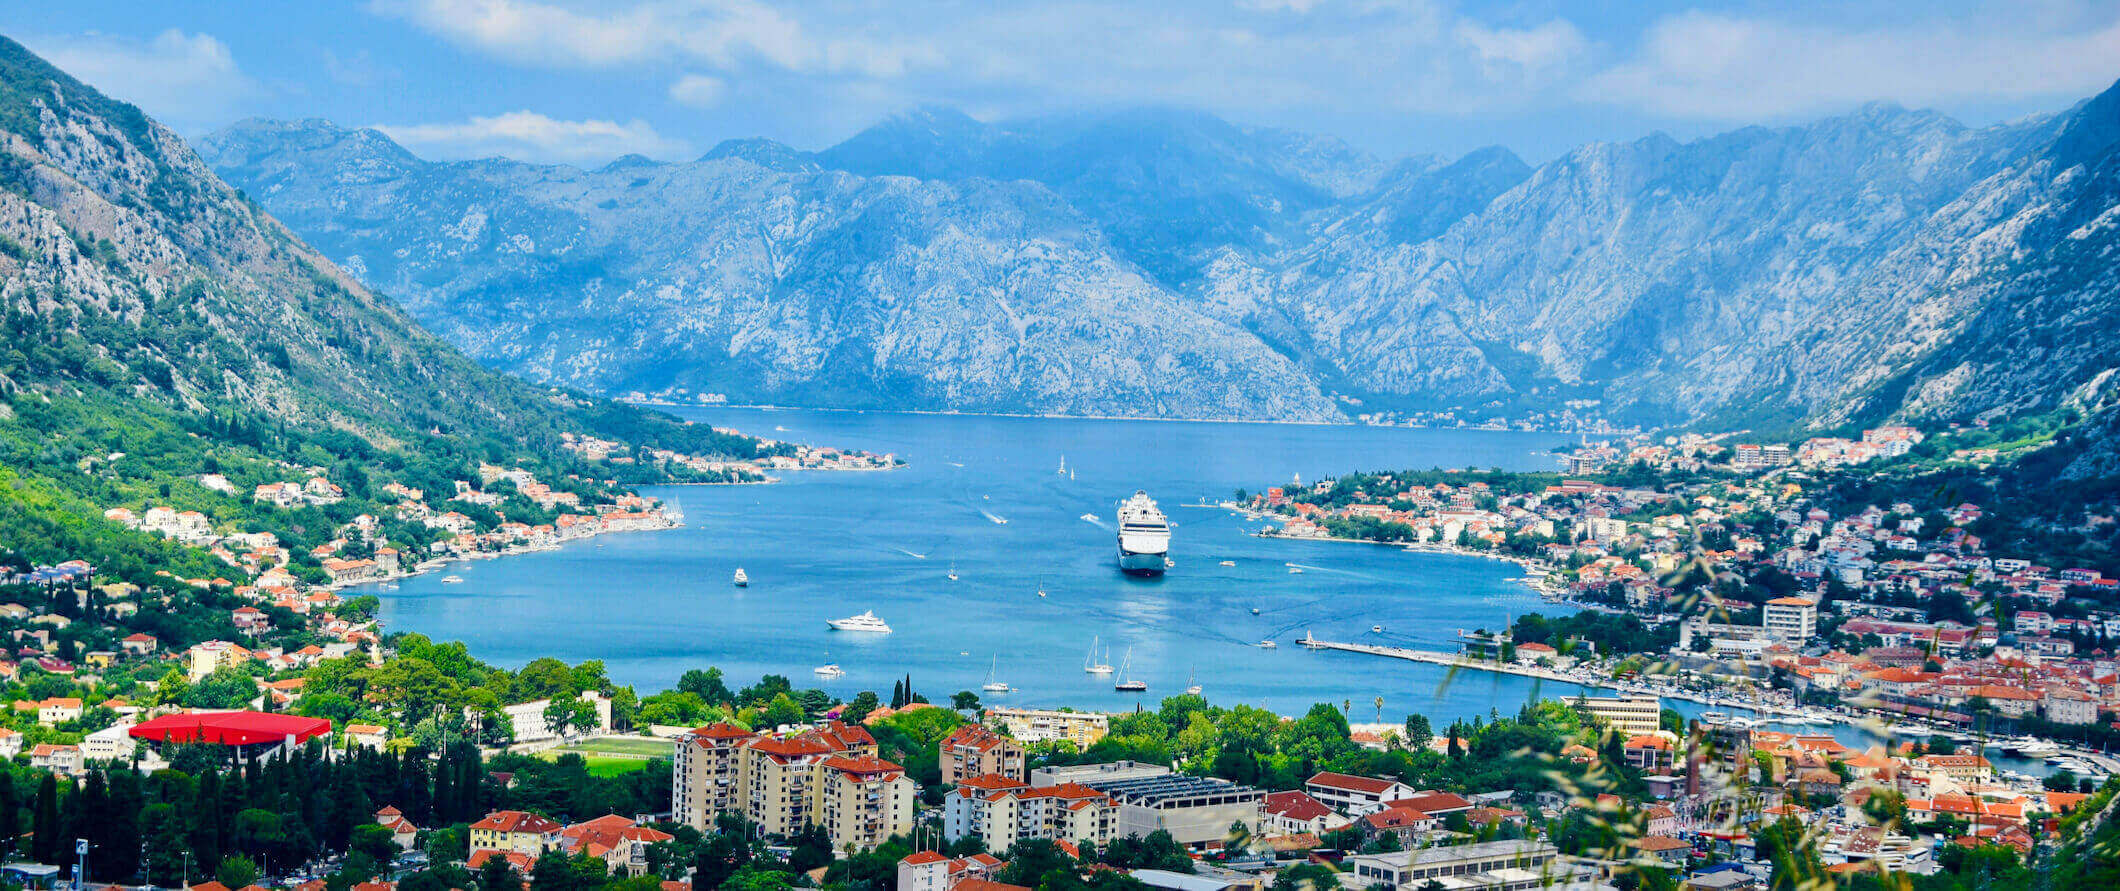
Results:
[1141, 564]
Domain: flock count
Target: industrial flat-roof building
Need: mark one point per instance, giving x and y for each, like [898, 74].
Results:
[1196, 811]
[1514, 865]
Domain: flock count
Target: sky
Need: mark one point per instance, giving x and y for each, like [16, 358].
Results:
[579, 82]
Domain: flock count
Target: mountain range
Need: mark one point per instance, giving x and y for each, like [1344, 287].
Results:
[155, 324]
[1886, 263]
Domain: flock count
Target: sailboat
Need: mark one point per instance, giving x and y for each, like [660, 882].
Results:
[953, 572]
[1125, 670]
[1063, 466]
[991, 685]
[1092, 664]
[1041, 586]
[1191, 689]
[742, 581]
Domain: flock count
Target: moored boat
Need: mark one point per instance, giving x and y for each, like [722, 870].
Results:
[867, 621]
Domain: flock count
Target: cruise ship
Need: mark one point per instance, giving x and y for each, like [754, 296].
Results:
[867, 621]
[1144, 536]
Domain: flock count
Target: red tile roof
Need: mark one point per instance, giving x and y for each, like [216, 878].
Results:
[1350, 782]
[516, 821]
[1295, 805]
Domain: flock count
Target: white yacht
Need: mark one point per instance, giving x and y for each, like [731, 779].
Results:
[452, 580]
[1125, 669]
[1268, 645]
[829, 671]
[992, 685]
[742, 581]
[1144, 536]
[867, 621]
[1094, 665]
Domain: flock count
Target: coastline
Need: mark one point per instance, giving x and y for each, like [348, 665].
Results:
[1538, 573]
[1281, 422]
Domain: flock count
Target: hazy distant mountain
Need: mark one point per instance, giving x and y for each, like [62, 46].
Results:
[755, 273]
[1168, 263]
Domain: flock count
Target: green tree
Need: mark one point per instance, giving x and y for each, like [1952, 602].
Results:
[236, 871]
[497, 874]
[1418, 733]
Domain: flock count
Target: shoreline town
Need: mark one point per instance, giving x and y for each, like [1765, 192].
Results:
[1729, 586]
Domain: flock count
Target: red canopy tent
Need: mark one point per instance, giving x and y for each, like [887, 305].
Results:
[231, 728]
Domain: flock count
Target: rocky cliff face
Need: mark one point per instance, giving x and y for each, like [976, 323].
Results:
[1886, 262]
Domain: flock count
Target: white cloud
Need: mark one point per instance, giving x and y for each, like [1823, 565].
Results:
[1296, 6]
[187, 81]
[725, 34]
[1719, 67]
[1508, 52]
[530, 136]
[698, 91]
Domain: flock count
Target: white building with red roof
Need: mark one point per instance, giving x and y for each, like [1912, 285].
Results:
[1353, 795]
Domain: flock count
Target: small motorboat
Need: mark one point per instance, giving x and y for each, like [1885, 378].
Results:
[452, 580]
[1376, 629]
[829, 671]
[1255, 611]
[1268, 645]
[742, 581]
[1229, 563]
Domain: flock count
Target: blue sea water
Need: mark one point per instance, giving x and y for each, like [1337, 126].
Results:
[823, 545]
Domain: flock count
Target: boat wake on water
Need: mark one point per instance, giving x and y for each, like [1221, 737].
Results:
[911, 554]
[996, 520]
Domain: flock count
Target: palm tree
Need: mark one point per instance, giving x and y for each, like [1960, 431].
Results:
[1380, 708]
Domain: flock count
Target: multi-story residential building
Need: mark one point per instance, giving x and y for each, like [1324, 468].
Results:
[1793, 619]
[1628, 715]
[515, 832]
[863, 800]
[974, 750]
[1003, 810]
[1083, 729]
[827, 775]
[704, 774]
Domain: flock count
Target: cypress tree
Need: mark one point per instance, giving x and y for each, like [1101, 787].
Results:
[44, 826]
[10, 809]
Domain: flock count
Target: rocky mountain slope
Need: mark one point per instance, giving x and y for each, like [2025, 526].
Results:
[143, 296]
[1882, 263]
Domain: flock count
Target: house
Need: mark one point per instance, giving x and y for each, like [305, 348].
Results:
[1405, 822]
[1354, 795]
[139, 644]
[56, 758]
[1294, 812]
[56, 710]
[401, 830]
[1664, 848]
[367, 736]
[621, 843]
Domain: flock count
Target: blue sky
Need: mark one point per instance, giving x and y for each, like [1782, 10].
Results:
[579, 82]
